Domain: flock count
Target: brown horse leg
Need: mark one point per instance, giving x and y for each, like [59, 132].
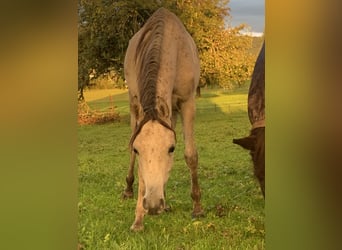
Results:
[128, 193]
[139, 210]
[190, 154]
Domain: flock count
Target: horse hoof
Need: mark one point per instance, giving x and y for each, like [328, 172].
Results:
[137, 228]
[127, 195]
[167, 209]
[197, 214]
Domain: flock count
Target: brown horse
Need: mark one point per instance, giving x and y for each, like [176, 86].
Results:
[255, 142]
[162, 73]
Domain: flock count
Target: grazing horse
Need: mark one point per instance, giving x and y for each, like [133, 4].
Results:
[255, 142]
[162, 73]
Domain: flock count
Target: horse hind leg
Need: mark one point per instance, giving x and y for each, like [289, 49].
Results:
[128, 192]
[192, 162]
[190, 154]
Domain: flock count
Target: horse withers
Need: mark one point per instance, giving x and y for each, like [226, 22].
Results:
[162, 73]
[255, 142]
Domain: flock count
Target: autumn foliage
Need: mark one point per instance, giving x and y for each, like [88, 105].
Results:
[105, 28]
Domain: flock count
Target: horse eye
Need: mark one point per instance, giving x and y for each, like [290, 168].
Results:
[171, 149]
[135, 151]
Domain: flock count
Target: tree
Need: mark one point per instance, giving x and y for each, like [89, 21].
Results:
[104, 29]
[204, 20]
[224, 53]
[106, 26]
[236, 57]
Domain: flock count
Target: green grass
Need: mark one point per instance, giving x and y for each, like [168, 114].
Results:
[234, 206]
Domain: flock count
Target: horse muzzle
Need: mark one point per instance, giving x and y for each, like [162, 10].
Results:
[154, 207]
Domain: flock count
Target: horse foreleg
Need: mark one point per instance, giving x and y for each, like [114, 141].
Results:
[190, 155]
[128, 193]
[192, 162]
[139, 210]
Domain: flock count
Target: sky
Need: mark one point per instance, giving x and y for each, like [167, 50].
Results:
[251, 12]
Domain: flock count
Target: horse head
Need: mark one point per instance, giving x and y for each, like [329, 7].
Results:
[154, 144]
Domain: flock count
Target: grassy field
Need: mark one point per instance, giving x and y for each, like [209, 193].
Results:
[234, 206]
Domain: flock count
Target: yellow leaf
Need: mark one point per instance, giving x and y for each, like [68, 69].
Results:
[106, 238]
[196, 223]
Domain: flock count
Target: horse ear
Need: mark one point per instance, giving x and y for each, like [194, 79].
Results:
[136, 108]
[246, 142]
[162, 108]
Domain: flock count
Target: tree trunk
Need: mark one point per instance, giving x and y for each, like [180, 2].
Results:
[80, 95]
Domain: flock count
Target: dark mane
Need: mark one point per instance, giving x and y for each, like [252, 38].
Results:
[256, 94]
[148, 58]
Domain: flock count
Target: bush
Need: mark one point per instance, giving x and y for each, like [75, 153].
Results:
[88, 116]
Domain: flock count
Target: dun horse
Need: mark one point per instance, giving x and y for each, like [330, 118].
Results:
[162, 72]
[255, 142]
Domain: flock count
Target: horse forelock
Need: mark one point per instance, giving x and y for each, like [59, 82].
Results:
[148, 117]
